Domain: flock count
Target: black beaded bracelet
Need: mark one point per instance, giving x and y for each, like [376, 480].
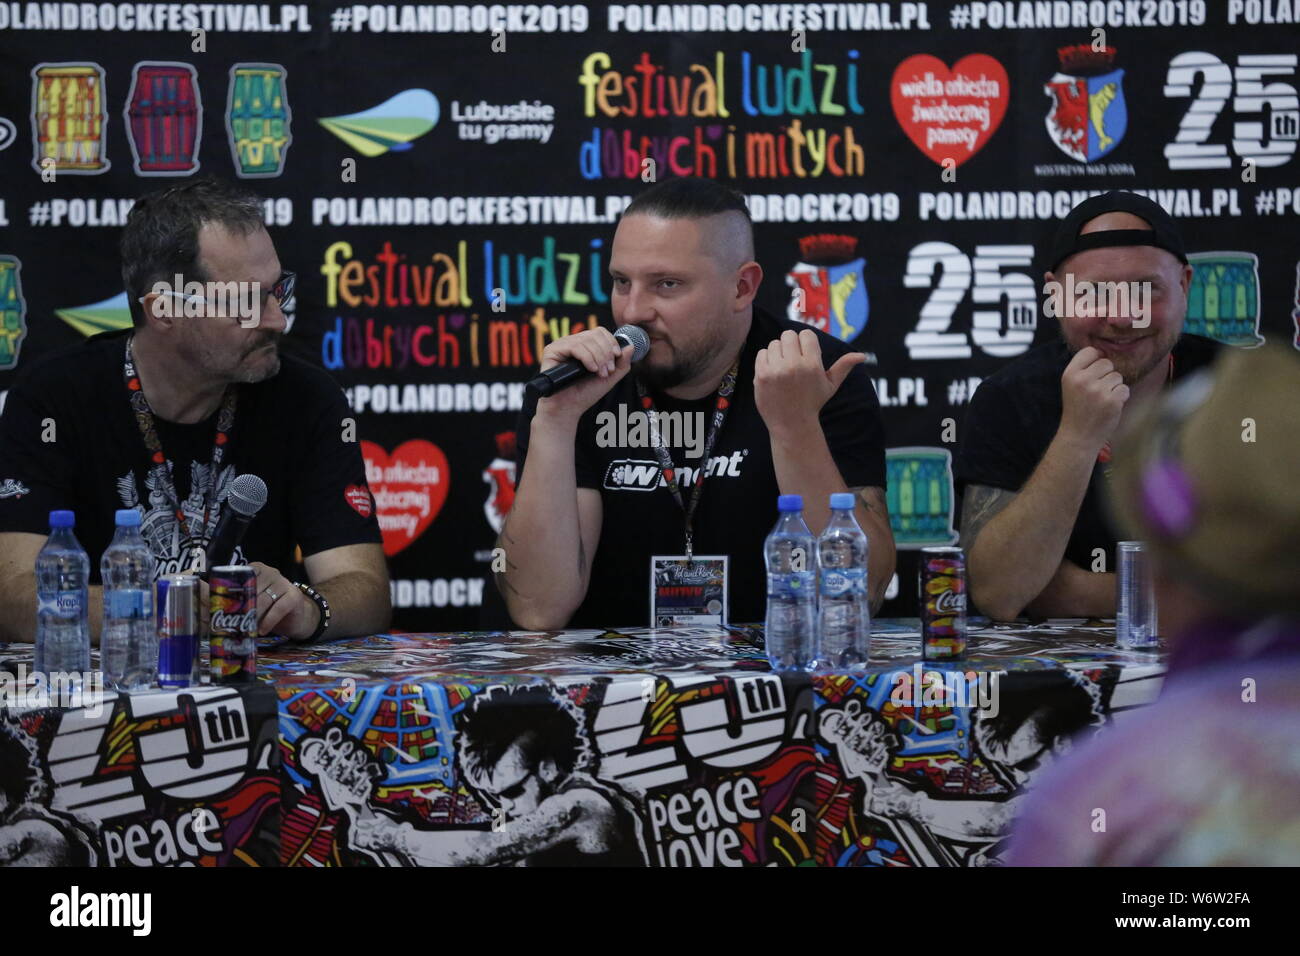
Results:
[321, 603]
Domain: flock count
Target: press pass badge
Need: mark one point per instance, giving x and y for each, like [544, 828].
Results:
[688, 591]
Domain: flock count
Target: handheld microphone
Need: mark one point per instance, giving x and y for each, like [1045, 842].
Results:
[566, 373]
[246, 498]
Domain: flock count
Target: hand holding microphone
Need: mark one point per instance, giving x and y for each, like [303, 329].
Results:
[578, 369]
[246, 498]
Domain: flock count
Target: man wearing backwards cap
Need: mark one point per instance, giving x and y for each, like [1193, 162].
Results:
[1207, 775]
[1035, 450]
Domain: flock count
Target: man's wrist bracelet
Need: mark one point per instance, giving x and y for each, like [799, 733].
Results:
[321, 603]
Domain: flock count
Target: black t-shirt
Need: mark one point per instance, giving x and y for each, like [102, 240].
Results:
[737, 507]
[288, 430]
[1014, 416]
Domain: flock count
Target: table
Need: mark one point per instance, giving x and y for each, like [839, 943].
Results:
[633, 747]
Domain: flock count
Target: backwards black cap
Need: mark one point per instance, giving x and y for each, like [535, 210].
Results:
[1162, 234]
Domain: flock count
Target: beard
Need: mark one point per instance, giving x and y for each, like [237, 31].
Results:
[1133, 368]
[253, 364]
[682, 368]
[266, 368]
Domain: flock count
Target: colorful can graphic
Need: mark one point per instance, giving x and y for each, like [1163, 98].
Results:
[178, 630]
[942, 583]
[69, 118]
[258, 119]
[164, 119]
[233, 642]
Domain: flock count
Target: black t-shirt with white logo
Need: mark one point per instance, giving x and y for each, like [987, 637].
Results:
[737, 508]
[1012, 419]
[288, 430]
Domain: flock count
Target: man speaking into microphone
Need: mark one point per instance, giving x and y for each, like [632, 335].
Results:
[174, 416]
[671, 473]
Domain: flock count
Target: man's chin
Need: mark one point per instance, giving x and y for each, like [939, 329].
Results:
[658, 378]
[260, 368]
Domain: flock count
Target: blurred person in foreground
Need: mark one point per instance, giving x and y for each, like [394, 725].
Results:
[1208, 774]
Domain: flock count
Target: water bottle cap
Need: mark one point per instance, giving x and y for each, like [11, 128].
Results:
[127, 518]
[62, 519]
[842, 499]
[789, 503]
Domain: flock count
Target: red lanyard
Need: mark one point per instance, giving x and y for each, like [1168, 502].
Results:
[722, 402]
[162, 475]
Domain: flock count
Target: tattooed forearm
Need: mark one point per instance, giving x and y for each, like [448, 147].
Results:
[980, 505]
[873, 499]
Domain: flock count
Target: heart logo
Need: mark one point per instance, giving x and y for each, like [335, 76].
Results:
[409, 486]
[949, 114]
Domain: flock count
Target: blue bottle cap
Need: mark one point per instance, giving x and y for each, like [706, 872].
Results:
[842, 499]
[789, 503]
[62, 519]
[127, 518]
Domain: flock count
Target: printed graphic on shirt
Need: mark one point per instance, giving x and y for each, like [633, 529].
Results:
[358, 497]
[158, 525]
[13, 488]
[633, 474]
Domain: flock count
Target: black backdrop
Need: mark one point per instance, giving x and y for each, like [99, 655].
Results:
[935, 278]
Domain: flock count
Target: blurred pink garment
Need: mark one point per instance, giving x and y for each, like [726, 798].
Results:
[1208, 775]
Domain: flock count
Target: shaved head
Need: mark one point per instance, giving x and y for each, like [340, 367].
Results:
[727, 238]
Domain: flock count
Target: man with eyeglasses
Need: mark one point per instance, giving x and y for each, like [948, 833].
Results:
[162, 417]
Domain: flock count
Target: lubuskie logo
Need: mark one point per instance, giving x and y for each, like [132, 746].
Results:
[77, 909]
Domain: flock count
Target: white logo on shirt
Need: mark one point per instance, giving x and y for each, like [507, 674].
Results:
[158, 526]
[632, 474]
[13, 488]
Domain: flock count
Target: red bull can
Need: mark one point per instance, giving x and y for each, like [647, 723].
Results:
[233, 642]
[942, 588]
[178, 630]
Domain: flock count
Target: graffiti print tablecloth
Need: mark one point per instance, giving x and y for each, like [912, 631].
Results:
[574, 748]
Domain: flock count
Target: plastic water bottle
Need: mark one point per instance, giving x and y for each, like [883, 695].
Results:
[790, 631]
[844, 624]
[62, 598]
[128, 646]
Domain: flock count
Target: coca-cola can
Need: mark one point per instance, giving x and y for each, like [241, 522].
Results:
[233, 624]
[178, 630]
[942, 588]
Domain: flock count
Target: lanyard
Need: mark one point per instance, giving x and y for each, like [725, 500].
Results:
[721, 403]
[162, 474]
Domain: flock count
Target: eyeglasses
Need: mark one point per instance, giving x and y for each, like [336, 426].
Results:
[283, 288]
[281, 291]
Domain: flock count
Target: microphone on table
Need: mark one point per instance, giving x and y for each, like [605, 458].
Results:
[246, 498]
[568, 372]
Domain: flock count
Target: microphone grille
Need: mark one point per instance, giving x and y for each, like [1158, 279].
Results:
[634, 336]
[247, 494]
